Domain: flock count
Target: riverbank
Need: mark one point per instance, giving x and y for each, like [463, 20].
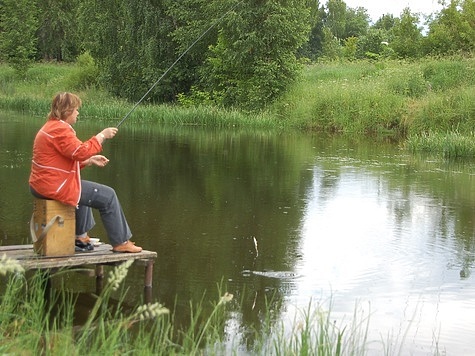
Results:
[406, 100]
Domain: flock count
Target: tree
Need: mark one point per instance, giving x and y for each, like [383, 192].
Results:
[375, 43]
[130, 43]
[385, 22]
[18, 19]
[357, 22]
[254, 59]
[57, 33]
[312, 48]
[453, 29]
[407, 35]
[336, 18]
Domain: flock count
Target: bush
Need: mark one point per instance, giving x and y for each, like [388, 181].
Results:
[85, 75]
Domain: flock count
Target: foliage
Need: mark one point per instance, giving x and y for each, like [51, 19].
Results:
[336, 18]
[391, 97]
[407, 36]
[357, 97]
[31, 323]
[453, 29]
[57, 33]
[232, 53]
[85, 73]
[447, 145]
[254, 59]
[312, 48]
[130, 42]
[376, 42]
[18, 19]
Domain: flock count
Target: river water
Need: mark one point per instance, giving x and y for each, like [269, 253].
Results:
[360, 227]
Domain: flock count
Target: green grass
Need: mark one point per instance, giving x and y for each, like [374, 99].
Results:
[446, 145]
[31, 323]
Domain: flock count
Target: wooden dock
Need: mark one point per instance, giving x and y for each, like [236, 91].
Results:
[101, 256]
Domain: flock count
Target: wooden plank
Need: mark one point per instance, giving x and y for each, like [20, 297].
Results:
[16, 247]
[101, 254]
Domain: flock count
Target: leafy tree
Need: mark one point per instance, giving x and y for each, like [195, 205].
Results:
[312, 48]
[357, 22]
[57, 33]
[385, 22]
[254, 59]
[196, 24]
[407, 36]
[336, 18]
[343, 23]
[130, 43]
[18, 19]
[453, 29]
[332, 48]
[350, 48]
[374, 43]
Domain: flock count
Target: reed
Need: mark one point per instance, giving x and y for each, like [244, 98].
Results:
[445, 145]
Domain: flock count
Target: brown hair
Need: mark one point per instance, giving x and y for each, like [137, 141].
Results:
[63, 105]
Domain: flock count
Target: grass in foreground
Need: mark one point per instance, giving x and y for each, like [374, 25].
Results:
[31, 323]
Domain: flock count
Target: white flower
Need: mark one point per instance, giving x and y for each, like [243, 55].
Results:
[10, 265]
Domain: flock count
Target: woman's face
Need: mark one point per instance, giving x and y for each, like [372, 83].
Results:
[72, 117]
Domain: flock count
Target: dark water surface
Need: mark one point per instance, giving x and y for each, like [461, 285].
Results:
[364, 226]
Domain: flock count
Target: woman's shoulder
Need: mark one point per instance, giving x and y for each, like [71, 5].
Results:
[57, 128]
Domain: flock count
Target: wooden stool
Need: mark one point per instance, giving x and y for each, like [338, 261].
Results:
[53, 228]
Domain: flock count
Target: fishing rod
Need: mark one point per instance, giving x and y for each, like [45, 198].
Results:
[176, 61]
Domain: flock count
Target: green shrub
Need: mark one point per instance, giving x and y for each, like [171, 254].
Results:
[85, 74]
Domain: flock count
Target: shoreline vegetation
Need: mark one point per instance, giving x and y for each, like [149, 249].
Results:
[428, 105]
[425, 104]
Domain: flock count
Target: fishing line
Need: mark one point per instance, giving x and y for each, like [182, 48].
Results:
[176, 61]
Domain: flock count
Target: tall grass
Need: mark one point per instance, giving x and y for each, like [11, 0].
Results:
[381, 97]
[445, 145]
[314, 332]
[34, 322]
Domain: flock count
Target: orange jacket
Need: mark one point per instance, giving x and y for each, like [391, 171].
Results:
[56, 164]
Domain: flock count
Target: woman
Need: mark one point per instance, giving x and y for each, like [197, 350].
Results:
[58, 157]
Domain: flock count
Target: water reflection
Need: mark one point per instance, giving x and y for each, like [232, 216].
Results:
[334, 219]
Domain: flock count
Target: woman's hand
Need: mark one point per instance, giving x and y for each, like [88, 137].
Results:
[98, 160]
[107, 133]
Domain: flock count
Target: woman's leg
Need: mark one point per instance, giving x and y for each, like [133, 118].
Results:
[104, 198]
[84, 220]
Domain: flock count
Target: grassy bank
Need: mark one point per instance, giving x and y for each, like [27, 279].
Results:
[395, 98]
[429, 104]
[33, 324]
[363, 97]
[33, 95]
